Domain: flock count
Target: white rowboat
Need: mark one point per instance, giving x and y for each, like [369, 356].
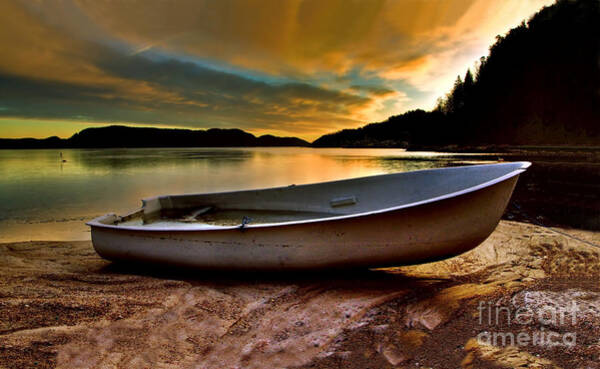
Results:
[377, 221]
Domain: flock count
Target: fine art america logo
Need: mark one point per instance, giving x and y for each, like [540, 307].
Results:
[518, 326]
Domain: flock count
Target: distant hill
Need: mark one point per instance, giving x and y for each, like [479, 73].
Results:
[122, 136]
[539, 85]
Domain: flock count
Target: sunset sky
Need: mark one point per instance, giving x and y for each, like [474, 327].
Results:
[286, 67]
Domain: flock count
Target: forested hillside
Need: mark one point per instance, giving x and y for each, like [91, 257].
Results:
[539, 85]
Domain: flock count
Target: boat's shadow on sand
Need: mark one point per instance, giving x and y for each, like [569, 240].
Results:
[354, 278]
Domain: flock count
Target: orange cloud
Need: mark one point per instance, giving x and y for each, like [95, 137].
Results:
[305, 37]
[301, 67]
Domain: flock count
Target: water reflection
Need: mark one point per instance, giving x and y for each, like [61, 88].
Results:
[42, 197]
[141, 158]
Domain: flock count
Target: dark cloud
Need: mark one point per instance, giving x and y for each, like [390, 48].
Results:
[186, 94]
[373, 90]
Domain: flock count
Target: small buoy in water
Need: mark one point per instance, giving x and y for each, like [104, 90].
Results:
[61, 158]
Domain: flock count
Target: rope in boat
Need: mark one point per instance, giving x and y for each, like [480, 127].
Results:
[536, 222]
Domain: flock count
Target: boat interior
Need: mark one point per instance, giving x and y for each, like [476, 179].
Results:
[312, 201]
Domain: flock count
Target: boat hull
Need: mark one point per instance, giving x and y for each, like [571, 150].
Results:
[415, 234]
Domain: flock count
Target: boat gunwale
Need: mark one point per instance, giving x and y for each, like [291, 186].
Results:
[204, 228]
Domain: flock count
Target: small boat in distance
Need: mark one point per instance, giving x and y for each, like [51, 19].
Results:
[376, 221]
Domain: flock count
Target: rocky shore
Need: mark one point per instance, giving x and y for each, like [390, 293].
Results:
[63, 306]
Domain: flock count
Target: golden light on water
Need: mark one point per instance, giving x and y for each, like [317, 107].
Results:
[44, 198]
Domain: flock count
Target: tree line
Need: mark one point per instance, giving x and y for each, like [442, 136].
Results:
[539, 85]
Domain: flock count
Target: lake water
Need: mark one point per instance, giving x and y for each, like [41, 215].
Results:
[43, 198]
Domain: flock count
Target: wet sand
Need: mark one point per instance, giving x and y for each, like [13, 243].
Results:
[63, 306]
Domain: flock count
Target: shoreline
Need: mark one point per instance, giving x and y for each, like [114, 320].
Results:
[63, 306]
[453, 149]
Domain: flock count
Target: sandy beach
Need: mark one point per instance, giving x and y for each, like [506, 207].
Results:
[62, 306]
